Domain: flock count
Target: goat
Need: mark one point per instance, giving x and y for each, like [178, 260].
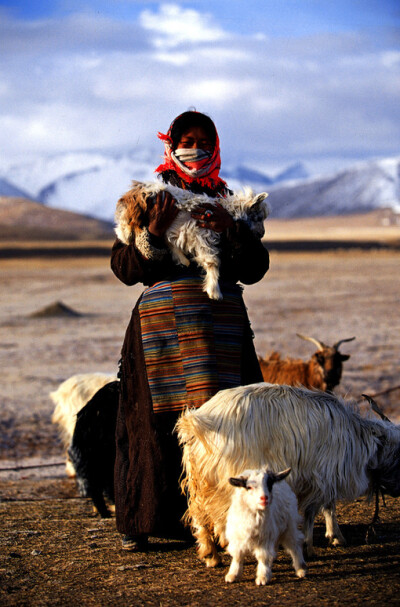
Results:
[334, 453]
[322, 371]
[69, 398]
[184, 238]
[92, 448]
[263, 514]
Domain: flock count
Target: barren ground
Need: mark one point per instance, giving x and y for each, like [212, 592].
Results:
[55, 552]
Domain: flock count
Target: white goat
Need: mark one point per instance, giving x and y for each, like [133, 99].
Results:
[263, 514]
[334, 453]
[69, 398]
[184, 238]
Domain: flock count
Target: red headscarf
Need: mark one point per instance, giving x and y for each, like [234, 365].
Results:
[203, 172]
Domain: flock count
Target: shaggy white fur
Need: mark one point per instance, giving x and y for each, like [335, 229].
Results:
[263, 514]
[185, 239]
[334, 453]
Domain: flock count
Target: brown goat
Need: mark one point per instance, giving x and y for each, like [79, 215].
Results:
[322, 371]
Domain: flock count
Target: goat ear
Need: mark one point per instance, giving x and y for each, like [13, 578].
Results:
[344, 356]
[281, 475]
[238, 482]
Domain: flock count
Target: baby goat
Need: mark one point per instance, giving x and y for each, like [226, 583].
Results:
[184, 238]
[262, 515]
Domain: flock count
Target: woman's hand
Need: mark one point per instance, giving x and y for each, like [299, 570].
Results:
[161, 212]
[213, 217]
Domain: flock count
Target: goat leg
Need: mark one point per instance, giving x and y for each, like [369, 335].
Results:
[333, 532]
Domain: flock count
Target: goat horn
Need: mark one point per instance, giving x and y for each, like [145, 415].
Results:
[375, 407]
[336, 346]
[320, 344]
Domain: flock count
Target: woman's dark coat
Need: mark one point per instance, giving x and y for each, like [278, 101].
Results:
[148, 458]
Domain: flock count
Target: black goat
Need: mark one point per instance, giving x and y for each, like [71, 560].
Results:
[92, 449]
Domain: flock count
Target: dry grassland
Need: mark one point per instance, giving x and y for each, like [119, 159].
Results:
[330, 296]
[55, 552]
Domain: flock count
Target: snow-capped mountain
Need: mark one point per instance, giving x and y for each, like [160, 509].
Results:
[90, 183]
[38, 174]
[295, 171]
[243, 175]
[360, 188]
[8, 189]
[95, 191]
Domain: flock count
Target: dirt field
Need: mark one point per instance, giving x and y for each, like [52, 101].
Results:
[55, 552]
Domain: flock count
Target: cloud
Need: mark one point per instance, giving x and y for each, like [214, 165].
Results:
[174, 25]
[75, 33]
[87, 81]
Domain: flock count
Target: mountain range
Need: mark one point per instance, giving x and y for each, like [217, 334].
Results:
[90, 183]
[361, 188]
[8, 189]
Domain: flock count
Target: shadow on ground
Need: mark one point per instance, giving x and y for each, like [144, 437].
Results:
[57, 552]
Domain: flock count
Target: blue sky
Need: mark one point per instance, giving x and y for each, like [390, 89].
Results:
[280, 17]
[285, 80]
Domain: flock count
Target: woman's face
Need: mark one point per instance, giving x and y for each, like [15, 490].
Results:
[195, 137]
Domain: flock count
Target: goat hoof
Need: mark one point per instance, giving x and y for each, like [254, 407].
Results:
[262, 581]
[335, 541]
[301, 573]
[135, 543]
[214, 561]
[70, 470]
[230, 578]
[104, 513]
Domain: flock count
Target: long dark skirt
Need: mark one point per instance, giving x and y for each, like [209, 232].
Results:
[148, 458]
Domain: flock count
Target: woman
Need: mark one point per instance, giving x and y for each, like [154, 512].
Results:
[180, 347]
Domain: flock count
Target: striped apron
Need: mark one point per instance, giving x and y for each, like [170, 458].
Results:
[192, 344]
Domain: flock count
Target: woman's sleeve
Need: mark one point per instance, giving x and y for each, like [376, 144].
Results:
[134, 263]
[249, 255]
